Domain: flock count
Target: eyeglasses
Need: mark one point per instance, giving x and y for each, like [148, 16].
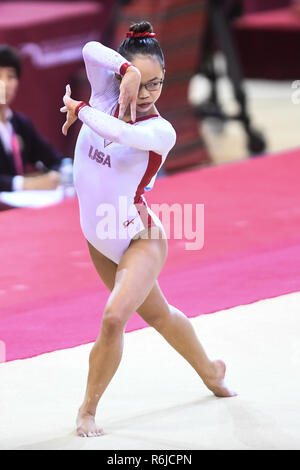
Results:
[152, 86]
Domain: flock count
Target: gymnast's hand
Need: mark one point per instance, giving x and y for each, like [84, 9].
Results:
[69, 108]
[129, 89]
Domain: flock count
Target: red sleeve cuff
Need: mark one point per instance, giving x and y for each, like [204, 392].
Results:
[81, 105]
[124, 67]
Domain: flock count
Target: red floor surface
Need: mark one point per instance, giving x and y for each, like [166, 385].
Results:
[51, 297]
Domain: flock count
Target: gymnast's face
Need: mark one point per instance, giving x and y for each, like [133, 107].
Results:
[152, 76]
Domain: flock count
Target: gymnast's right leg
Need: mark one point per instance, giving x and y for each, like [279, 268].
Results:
[85, 422]
[133, 280]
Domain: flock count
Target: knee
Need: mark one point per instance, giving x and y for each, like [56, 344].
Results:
[113, 324]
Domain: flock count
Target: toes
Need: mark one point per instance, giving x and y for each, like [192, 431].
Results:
[95, 434]
[225, 392]
[81, 433]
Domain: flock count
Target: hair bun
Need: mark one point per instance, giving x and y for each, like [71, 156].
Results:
[140, 39]
[143, 27]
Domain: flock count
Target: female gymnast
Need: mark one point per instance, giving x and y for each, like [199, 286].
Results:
[121, 146]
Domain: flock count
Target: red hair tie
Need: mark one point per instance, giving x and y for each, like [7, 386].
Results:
[132, 34]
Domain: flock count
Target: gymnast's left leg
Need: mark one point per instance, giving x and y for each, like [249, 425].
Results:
[178, 330]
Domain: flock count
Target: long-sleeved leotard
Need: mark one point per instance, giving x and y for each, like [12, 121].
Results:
[114, 160]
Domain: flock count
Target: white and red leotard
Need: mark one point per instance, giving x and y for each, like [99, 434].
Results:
[114, 160]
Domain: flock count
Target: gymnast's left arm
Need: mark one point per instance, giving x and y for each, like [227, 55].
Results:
[157, 135]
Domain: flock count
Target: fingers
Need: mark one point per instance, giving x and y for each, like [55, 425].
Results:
[68, 123]
[122, 108]
[68, 90]
[65, 128]
[124, 102]
[67, 95]
[66, 99]
[133, 110]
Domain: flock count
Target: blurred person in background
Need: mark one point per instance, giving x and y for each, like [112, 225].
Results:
[21, 146]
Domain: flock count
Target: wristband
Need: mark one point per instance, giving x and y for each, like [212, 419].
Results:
[124, 67]
[81, 105]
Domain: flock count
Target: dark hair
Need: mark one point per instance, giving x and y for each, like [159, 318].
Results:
[141, 45]
[9, 57]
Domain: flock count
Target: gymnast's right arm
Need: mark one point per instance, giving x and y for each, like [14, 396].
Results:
[102, 63]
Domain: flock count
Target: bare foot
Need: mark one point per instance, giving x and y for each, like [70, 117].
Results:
[215, 382]
[86, 426]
